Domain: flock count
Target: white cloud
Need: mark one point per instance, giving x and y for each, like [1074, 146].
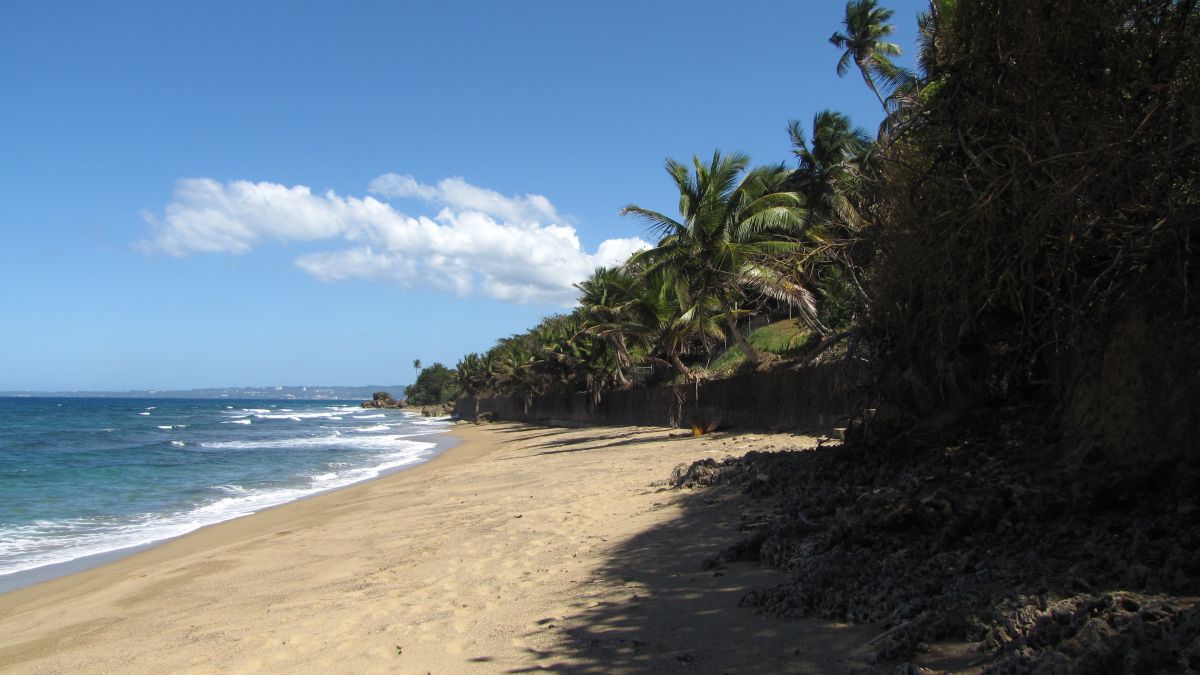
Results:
[206, 216]
[514, 249]
[395, 185]
[459, 195]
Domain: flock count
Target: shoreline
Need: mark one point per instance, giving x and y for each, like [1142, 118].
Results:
[15, 581]
[521, 547]
[81, 567]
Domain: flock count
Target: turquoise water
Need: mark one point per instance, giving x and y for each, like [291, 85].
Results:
[85, 476]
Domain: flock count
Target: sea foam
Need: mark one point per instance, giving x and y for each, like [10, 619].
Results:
[377, 442]
[253, 457]
[47, 542]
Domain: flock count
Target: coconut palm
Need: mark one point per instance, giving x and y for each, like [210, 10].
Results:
[732, 219]
[864, 42]
[602, 298]
[914, 87]
[472, 374]
[830, 175]
[572, 356]
[664, 320]
[829, 166]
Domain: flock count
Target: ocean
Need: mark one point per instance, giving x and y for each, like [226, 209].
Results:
[82, 477]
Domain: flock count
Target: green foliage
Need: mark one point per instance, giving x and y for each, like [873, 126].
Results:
[840, 300]
[829, 167]
[1044, 186]
[865, 45]
[734, 223]
[783, 338]
[833, 172]
[472, 374]
[743, 240]
[562, 353]
[661, 317]
[435, 384]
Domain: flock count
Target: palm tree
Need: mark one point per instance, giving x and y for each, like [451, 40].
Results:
[830, 175]
[731, 220]
[602, 298]
[573, 356]
[829, 167]
[667, 321]
[417, 366]
[471, 374]
[913, 87]
[514, 361]
[866, 28]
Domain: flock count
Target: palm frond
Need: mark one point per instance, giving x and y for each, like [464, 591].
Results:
[843, 63]
[659, 223]
[780, 218]
[774, 285]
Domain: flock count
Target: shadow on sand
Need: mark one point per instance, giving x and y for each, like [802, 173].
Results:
[652, 607]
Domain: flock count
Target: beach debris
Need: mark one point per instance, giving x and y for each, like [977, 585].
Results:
[704, 472]
[701, 426]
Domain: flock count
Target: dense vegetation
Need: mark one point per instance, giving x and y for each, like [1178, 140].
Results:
[1032, 191]
[435, 384]
[1037, 208]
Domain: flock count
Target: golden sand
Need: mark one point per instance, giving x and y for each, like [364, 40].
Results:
[523, 548]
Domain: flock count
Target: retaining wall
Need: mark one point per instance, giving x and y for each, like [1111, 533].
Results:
[811, 398]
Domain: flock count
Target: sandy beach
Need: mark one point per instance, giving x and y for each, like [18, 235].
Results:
[521, 549]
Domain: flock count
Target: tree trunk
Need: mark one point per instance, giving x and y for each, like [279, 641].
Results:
[623, 361]
[752, 354]
[863, 68]
[674, 359]
[622, 381]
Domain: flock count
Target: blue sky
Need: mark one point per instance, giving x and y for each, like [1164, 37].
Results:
[244, 194]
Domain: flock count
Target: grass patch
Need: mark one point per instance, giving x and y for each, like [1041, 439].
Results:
[785, 338]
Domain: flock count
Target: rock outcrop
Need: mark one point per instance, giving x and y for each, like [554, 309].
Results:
[437, 409]
[382, 399]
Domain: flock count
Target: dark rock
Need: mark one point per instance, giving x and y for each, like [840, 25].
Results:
[382, 399]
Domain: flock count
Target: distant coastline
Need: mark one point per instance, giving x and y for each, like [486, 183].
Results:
[291, 392]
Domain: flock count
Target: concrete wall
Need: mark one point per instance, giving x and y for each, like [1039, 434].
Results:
[814, 398]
